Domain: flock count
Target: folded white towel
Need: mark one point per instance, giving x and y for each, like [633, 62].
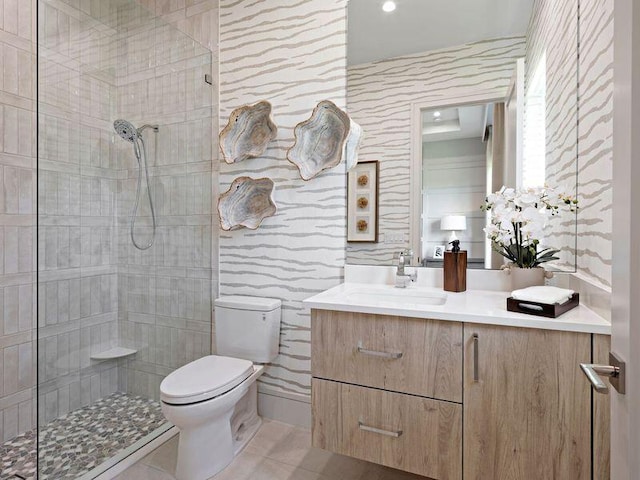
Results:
[544, 294]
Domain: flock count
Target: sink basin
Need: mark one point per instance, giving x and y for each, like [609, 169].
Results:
[398, 296]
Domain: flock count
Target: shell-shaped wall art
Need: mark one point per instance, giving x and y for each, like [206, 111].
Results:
[320, 140]
[249, 131]
[247, 202]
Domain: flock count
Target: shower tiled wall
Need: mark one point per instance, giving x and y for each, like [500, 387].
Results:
[165, 292]
[77, 186]
[197, 18]
[100, 61]
[17, 218]
[95, 66]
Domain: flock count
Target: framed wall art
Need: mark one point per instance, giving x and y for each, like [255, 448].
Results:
[362, 202]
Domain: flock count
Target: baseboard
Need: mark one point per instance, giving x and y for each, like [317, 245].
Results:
[291, 408]
[118, 464]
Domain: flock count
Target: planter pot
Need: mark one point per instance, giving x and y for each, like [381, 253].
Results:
[527, 277]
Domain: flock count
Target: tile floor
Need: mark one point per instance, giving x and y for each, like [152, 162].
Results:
[277, 452]
[18, 457]
[72, 445]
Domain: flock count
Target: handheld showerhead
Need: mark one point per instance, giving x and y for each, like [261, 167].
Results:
[126, 130]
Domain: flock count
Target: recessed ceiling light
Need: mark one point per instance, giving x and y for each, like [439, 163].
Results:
[436, 114]
[389, 6]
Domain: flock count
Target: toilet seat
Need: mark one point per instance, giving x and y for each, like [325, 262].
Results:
[204, 379]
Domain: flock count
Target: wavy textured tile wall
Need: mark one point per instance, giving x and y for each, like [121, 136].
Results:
[595, 141]
[292, 53]
[554, 24]
[553, 30]
[380, 95]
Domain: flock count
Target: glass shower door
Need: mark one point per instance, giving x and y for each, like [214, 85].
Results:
[114, 319]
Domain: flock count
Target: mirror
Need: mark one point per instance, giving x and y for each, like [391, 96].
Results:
[455, 100]
[457, 144]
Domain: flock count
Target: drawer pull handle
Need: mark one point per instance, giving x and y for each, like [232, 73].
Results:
[375, 353]
[476, 359]
[387, 433]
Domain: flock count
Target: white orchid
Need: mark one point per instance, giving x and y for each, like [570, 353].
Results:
[518, 219]
[493, 198]
[527, 198]
[509, 194]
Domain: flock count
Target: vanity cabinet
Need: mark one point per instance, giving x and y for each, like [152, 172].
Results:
[527, 406]
[453, 400]
[601, 415]
[388, 390]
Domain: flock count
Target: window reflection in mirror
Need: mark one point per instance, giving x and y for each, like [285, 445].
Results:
[533, 161]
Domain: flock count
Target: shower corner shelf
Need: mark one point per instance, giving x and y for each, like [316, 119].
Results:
[113, 353]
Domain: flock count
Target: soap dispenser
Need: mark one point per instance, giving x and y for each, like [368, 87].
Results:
[455, 268]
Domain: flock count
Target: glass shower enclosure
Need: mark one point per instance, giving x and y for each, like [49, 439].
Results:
[119, 306]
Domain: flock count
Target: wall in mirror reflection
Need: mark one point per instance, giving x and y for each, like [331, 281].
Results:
[382, 94]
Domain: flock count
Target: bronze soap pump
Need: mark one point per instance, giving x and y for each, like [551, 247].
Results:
[455, 268]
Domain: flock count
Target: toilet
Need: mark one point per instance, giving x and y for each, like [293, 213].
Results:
[214, 400]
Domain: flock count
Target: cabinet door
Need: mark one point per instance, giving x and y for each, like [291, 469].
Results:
[527, 407]
[601, 414]
[410, 433]
[408, 355]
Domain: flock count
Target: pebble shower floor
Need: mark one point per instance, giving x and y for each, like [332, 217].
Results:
[73, 445]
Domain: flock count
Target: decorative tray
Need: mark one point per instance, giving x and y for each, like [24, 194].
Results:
[542, 309]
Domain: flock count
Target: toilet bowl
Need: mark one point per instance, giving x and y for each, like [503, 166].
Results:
[213, 400]
[208, 438]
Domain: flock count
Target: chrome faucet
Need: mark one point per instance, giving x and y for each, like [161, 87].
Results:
[403, 279]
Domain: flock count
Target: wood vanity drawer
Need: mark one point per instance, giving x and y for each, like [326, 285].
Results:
[410, 433]
[410, 355]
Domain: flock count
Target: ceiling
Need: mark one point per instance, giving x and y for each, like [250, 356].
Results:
[422, 25]
[454, 123]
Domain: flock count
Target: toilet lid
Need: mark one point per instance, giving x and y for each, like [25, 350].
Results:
[203, 379]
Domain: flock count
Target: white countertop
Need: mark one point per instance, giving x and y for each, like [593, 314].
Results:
[476, 306]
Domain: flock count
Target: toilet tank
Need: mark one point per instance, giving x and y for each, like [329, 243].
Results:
[248, 327]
